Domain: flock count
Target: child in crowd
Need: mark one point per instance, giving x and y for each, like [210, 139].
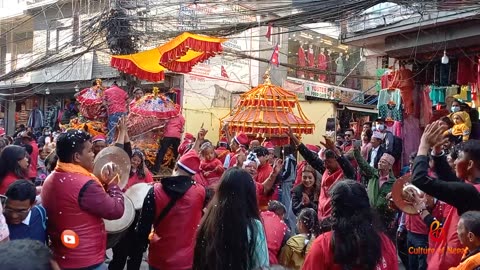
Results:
[294, 252]
[210, 166]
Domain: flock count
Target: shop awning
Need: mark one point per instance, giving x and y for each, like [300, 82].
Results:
[364, 110]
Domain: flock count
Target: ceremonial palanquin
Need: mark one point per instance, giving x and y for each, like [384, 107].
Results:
[267, 111]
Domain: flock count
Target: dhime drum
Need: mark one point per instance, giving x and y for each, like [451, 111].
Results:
[116, 229]
[137, 194]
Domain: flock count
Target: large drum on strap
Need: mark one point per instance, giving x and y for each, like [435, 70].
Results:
[137, 194]
[116, 229]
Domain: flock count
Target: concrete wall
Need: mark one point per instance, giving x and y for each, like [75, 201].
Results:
[316, 111]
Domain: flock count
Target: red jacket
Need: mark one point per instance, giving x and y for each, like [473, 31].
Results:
[7, 181]
[324, 200]
[173, 241]
[60, 198]
[275, 230]
[320, 255]
[135, 180]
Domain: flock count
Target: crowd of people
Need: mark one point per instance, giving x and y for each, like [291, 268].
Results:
[244, 204]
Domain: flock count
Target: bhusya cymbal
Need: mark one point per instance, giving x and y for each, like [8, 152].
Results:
[117, 156]
[399, 197]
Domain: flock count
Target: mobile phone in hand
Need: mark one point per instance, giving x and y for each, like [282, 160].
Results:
[357, 143]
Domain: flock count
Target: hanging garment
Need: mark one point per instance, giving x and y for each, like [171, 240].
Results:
[332, 67]
[437, 94]
[403, 80]
[302, 62]
[388, 111]
[426, 107]
[311, 62]
[411, 133]
[340, 70]
[387, 96]
[322, 65]
[35, 119]
[466, 72]
[451, 91]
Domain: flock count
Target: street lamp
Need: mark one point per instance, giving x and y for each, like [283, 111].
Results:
[77, 88]
[47, 91]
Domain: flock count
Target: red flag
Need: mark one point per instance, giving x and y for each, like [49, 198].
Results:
[224, 72]
[275, 55]
[269, 32]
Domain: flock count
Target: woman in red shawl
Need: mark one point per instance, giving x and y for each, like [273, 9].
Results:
[356, 241]
[139, 172]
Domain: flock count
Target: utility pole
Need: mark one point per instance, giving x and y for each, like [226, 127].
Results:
[121, 37]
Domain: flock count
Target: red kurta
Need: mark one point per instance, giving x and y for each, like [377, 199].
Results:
[275, 230]
[320, 255]
[215, 167]
[34, 160]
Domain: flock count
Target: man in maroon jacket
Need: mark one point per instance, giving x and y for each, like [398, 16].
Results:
[77, 202]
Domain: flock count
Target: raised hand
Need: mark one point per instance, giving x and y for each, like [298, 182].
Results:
[433, 134]
[277, 166]
[292, 136]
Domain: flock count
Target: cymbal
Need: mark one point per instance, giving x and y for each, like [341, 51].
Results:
[117, 156]
[397, 197]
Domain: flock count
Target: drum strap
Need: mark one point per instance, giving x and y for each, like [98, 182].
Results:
[165, 211]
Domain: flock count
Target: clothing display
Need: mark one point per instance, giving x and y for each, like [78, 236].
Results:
[451, 90]
[466, 72]
[391, 96]
[411, 132]
[426, 113]
[51, 117]
[340, 70]
[311, 61]
[301, 61]
[437, 94]
[322, 65]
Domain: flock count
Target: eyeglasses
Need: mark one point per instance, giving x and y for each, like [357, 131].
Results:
[14, 211]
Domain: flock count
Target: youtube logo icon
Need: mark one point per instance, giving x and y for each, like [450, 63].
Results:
[69, 239]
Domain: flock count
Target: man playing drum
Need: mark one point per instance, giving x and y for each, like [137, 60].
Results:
[77, 202]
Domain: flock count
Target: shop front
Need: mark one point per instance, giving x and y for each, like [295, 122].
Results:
[327, 56]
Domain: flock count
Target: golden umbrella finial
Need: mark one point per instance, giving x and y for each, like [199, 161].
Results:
[266, 76]
[155, 91]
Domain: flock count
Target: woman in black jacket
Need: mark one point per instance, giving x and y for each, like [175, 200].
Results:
[306, 194]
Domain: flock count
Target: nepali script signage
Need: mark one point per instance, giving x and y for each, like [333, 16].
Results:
[325, 91]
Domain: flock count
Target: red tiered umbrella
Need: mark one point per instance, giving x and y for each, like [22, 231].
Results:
[267, 111]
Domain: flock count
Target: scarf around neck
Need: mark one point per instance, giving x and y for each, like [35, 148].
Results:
[73, 168]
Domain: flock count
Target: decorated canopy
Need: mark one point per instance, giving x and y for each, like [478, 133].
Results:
[267, 111]
[179, 55]
[150, 112]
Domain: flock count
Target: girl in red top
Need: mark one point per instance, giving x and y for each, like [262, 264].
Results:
[356, 240]
[210, 166]
[139, 172]
[14, 165]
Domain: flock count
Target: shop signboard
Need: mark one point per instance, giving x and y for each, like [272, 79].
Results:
[294, 87]
[325, 91]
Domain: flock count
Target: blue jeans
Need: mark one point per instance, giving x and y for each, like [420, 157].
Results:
[111, 125]
[416, 240]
